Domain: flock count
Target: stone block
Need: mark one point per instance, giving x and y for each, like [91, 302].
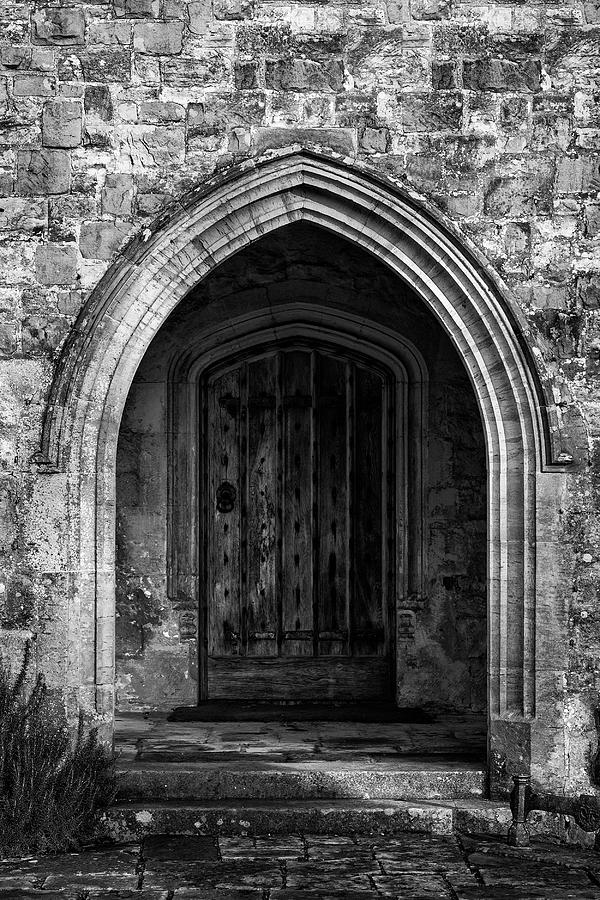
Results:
[577, 174]
[21, 215]
[353, 107]
[515, 196]
[443, 75]
[117, 195]
[97, 102]
[213, 69]
[511, 45]
[233, 9]
[43, 172]
[110, 33]
[364, 15]
[61, 123]
[96, 65]
[468, 38]
[102, 240]
[588, 290]
[375, 140]
[304, 75]
[17, 264]
[341, 140]
[59, 26]
[398, 11]
[56, 264]
[592, 12]
[159, 38]
[429, 9]
[34, 86]
[137, 9]
[220, 113]
[159, 112]
[431, 113]
[317, 110]
[592, 219]
[151, 204]
[246, 75]
[39, 59]
[501, 75]
[66, 214]
[43, 334]
[153, 145]
[199, 15]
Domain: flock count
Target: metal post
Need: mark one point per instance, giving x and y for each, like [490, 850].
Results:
[518, 833]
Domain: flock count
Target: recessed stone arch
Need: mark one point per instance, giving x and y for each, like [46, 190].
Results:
[160, 267]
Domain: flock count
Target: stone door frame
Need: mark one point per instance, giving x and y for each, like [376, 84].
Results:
[301, 317]
[525, 478]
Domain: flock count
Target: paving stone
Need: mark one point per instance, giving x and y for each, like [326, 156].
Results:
[324, 880]
[126, 895]
[535, 877]
[286, 847]
[228, 874]
[178, 847]
[332, 894]
[22, 893]
[412, 887]
[209, 894]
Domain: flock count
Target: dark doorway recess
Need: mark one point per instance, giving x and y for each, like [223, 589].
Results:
[298, 553]
[301, 501]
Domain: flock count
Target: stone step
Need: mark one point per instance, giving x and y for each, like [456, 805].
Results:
[147, 781]
[131, 821]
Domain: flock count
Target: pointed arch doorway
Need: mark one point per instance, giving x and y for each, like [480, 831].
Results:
[97, 367]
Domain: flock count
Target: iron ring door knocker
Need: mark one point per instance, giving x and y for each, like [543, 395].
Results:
[226, 494]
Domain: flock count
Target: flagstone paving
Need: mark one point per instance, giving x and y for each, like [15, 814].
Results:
[307, 867]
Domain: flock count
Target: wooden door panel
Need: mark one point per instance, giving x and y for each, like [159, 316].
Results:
[297, 501]
[332, 608]
[261, 626]
[224, 621]
[298, 580]
[300, 678]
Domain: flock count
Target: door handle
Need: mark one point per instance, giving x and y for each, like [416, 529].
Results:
[226, 494]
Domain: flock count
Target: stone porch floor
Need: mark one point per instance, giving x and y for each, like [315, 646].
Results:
[306, 867]
[300, 760]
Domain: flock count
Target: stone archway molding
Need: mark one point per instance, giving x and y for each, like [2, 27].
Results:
[165, 262]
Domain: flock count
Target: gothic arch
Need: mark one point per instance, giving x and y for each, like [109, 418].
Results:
[156, 271]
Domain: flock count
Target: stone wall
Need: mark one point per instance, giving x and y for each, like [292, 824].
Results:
[111, 112]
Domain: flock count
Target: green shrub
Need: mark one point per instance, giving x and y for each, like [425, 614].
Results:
[52, 787]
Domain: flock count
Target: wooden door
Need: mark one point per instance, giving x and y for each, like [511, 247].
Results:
[298, 545]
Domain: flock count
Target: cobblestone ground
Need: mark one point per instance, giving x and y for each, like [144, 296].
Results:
[411, 867]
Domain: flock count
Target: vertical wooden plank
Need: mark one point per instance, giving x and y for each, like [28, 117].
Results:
[368, 615]
[261, 600]
[223, 451]
[297, 575]
[332, 615]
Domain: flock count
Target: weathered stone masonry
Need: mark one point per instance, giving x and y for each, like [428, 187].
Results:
[112, 113]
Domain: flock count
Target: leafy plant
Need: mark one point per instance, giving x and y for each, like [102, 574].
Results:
[52, 787]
